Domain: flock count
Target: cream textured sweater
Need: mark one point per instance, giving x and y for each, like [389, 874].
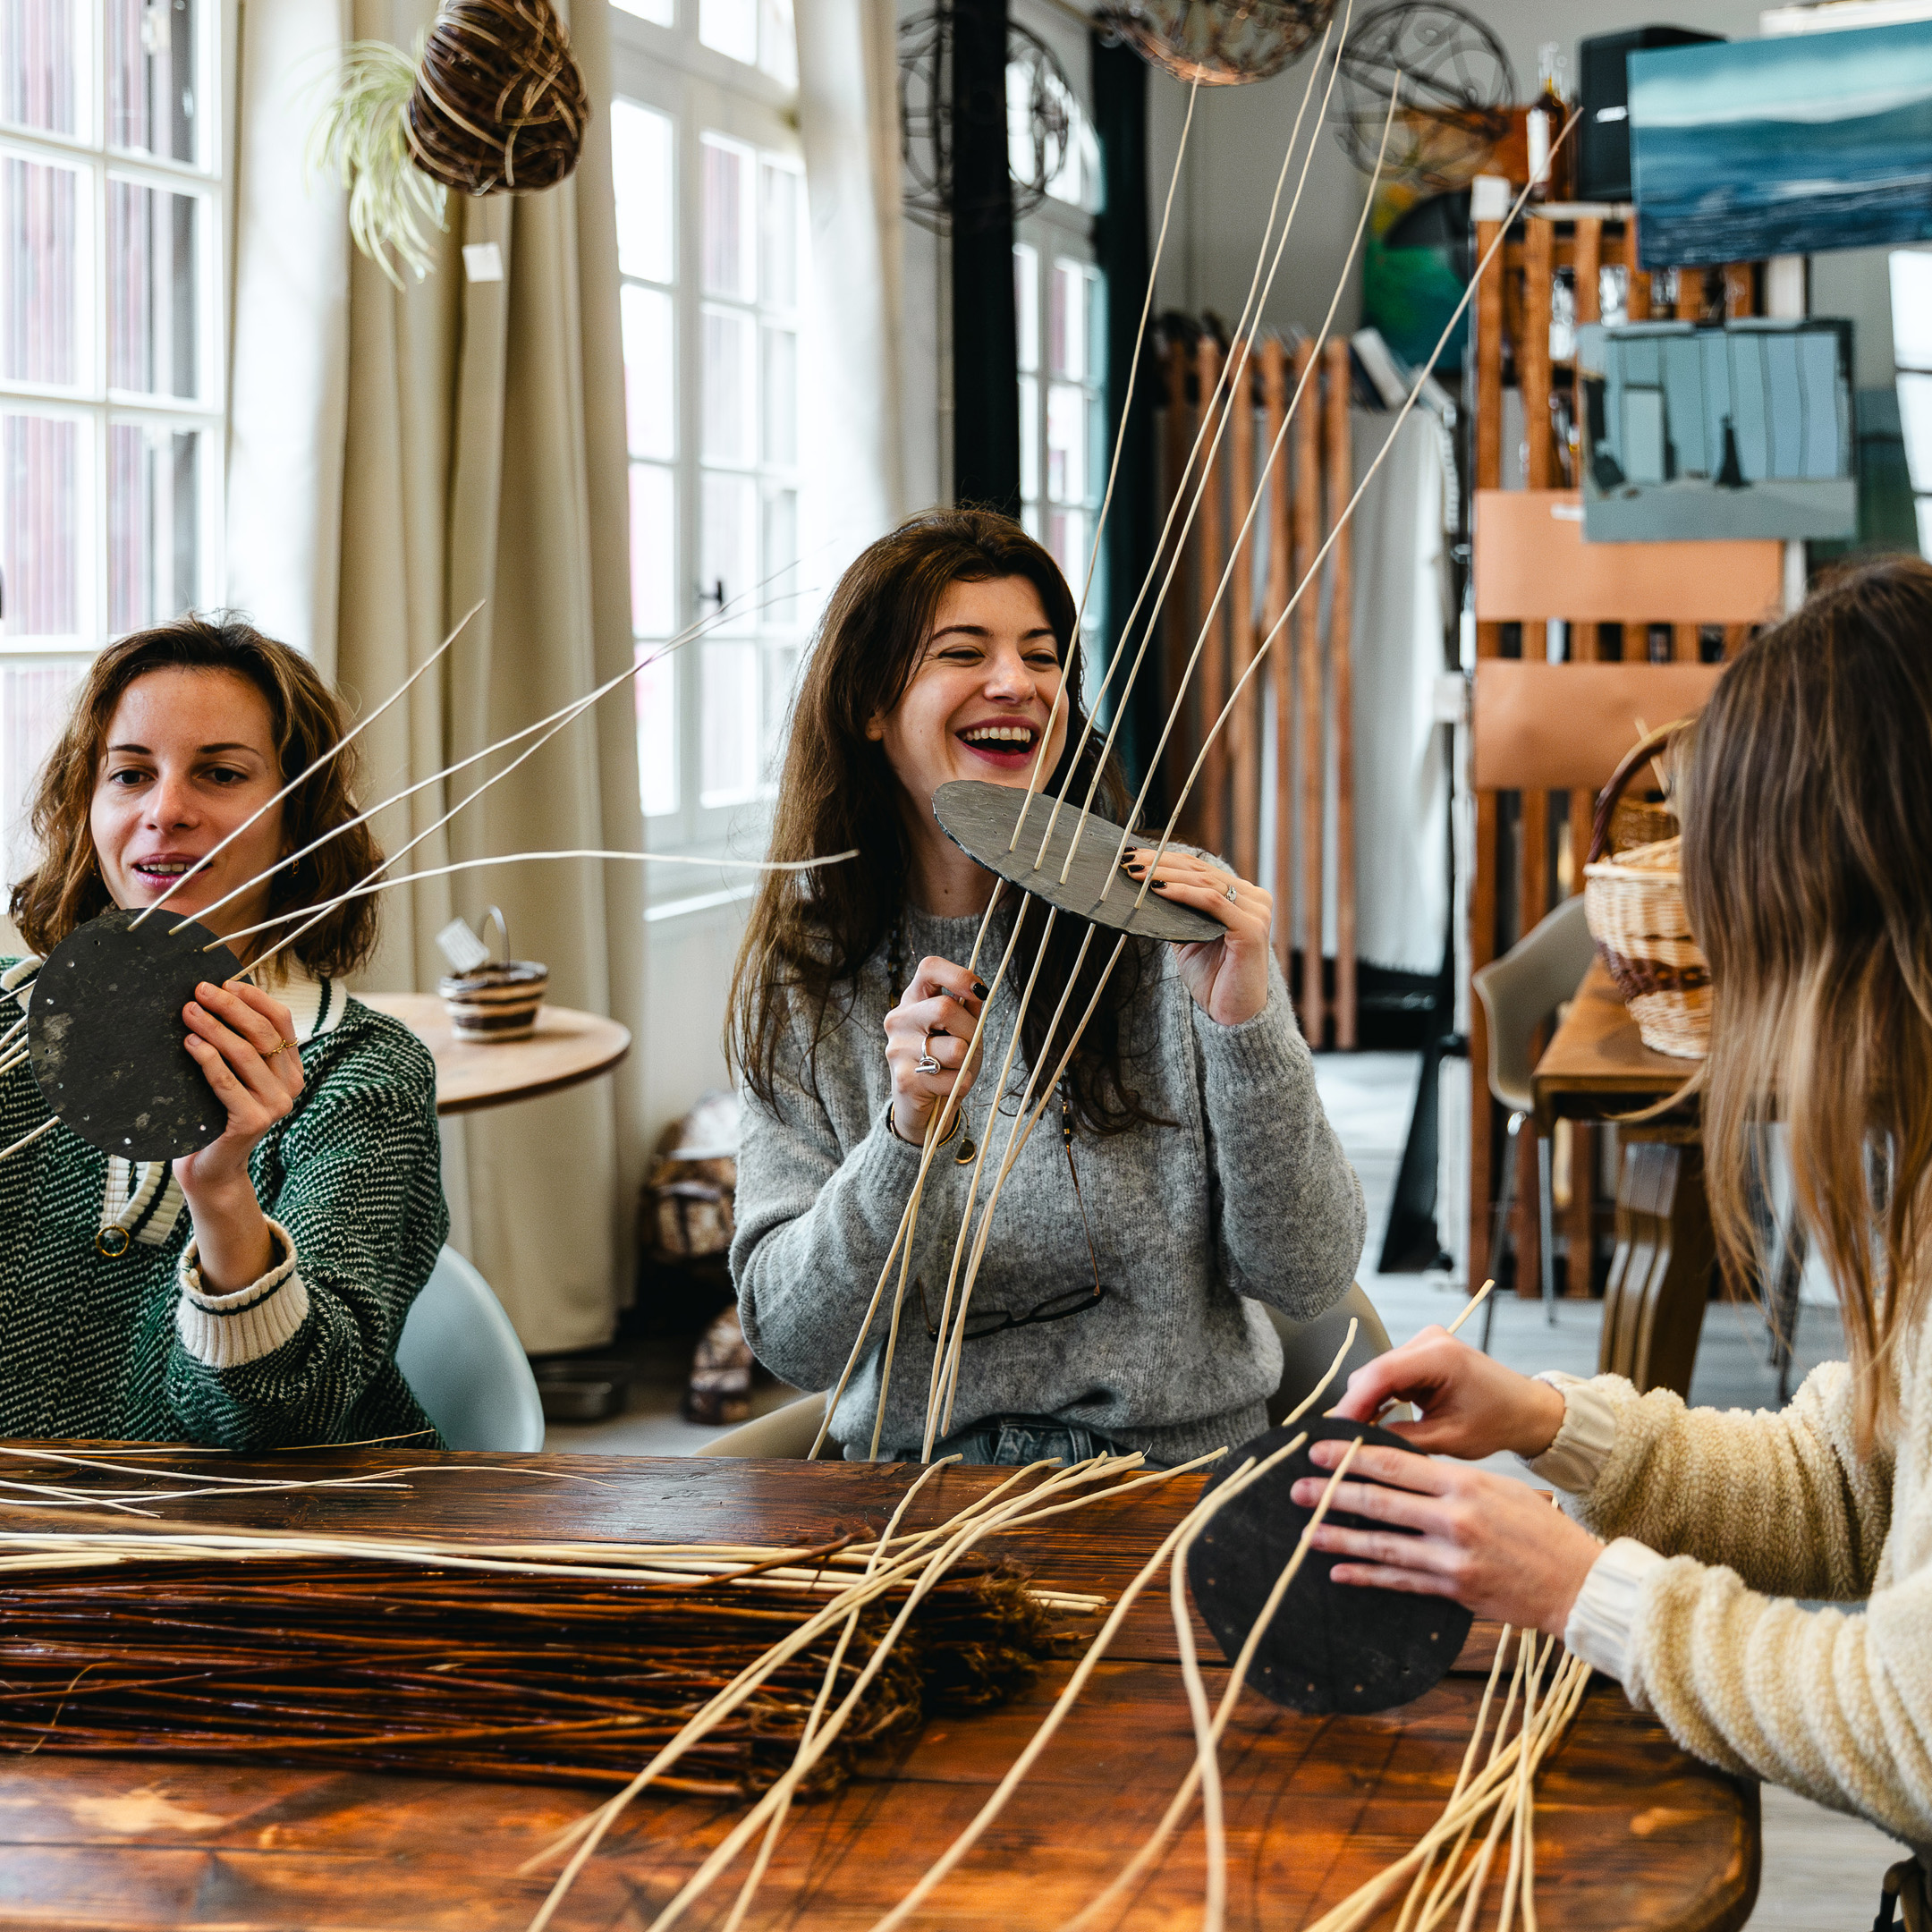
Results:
[1721, 1518]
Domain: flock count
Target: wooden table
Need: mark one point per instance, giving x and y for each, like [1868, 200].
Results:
[1597, 1067]
[567, 1048]
[1631, 1832]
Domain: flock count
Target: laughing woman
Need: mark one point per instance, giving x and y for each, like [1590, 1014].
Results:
[1193, 1171]
[249, 1295]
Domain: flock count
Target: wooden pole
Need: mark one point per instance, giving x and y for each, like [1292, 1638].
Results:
[1312, 772]
[1177, 634]
[1275, 601]
[1210, 549]
[1341, 468]
[1243, 751]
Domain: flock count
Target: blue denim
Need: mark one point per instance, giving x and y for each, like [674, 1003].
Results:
[1018, 1439]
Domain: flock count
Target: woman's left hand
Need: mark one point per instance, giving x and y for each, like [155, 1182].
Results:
[1228, 977]
[243, 1042]
[1491, 1544]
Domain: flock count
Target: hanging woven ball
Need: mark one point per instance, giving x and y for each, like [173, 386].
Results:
[499, 104]
[1219, 43]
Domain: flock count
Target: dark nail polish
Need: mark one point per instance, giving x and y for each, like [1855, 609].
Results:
[978, 989]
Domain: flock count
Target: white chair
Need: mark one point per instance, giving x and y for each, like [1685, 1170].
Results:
[1519, 992]
[786, 1435]
[464, 1364]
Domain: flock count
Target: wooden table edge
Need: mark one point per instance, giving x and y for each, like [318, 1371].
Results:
[536, 1090]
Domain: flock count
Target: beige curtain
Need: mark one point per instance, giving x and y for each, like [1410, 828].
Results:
[482, 456]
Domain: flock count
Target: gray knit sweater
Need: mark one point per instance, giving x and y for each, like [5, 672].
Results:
[1248, 1195]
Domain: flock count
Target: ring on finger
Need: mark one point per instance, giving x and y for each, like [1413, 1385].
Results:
[1233, 898]
[280, 1046]
[925, 1064]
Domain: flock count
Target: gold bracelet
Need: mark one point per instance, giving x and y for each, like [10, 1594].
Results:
[892, 1127]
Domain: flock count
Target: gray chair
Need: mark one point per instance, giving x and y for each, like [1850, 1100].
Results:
[1307, 1350]
[1519, 992]
[463, 1362]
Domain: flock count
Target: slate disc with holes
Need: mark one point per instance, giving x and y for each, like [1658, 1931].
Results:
[1330, 1647]
[105, 1025]
[979, 817]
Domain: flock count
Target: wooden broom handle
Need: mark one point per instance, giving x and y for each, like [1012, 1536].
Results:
[1645, 747]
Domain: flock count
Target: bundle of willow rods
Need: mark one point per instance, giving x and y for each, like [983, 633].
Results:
[364, 1664]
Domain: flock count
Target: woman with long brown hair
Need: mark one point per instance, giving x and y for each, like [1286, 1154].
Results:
[250, 1294]
[1807, 811]
[1193, 1168]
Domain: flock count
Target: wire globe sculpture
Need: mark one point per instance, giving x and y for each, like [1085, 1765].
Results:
[1218, 43]
[1457, 90]
[1040, 122]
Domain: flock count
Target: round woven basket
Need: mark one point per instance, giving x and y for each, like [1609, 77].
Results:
[1634, 903]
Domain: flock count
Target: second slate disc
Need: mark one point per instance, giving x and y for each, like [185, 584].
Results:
[979, 817]
[1331, 1646]
[105, 1026]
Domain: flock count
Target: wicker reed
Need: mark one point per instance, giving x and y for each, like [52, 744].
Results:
[1634, 903]
[499, 104]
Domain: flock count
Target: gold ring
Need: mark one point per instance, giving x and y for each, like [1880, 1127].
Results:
[281, 1045]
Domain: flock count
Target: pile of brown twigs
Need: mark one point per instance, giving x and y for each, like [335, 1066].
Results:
[367, 1664]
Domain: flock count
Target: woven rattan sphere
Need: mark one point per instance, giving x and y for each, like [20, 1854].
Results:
[1219, 43]
[499, 104]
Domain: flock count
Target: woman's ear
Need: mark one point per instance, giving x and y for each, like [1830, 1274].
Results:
[876, 728]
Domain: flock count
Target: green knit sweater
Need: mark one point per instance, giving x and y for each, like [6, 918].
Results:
[133, 1347]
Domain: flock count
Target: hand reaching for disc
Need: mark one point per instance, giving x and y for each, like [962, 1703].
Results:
[1228, 977]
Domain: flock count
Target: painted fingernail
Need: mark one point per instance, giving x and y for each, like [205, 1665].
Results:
[978, 989]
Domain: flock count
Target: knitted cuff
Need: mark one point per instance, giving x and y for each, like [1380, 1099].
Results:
[226, 1331]
[1603, 1616]
[1263, 1051]
[1573, 1461]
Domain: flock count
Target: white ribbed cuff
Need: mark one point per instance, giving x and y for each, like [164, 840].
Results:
[1605, 1613]
[1573, 1461]
[226, 1331]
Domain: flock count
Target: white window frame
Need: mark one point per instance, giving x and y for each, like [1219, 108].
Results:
[671, 70]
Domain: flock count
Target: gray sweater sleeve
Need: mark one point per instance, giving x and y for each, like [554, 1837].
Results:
[1287, 1208]
[814, 1229]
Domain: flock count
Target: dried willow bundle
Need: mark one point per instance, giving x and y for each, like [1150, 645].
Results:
[443, 1671]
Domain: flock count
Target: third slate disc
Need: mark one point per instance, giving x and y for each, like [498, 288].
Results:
[1330, 1647]
[105, 1025]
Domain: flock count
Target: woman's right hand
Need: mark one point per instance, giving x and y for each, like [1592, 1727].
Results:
[1470, 1406]
[935, 1015]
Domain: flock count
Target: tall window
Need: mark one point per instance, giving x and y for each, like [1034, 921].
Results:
[1061, 300]
[110, 344]
[711, 239]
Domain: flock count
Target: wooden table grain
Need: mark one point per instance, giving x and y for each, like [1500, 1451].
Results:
[568, 1048]
[1596, 1067]
[1631, 1832]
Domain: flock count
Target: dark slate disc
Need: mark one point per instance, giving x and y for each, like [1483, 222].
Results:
[979, 817]
[104, 1024]
[1332, 1647]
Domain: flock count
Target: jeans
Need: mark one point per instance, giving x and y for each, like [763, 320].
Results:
[1029, 1438]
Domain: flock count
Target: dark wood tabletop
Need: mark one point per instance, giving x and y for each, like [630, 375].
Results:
[1631, 1831]
[1596, 1063]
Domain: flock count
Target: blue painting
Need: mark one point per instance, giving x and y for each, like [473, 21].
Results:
[1789, 146]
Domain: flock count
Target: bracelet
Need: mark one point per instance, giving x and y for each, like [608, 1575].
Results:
[892, 1127]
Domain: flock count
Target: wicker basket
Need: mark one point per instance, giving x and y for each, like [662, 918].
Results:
[1634, 903]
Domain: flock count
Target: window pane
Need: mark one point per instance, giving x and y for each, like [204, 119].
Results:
[40, 59]
[727, 543]
[1029, 438]
[778, 41]
[649, 410]
[40, 249]
[779, 237]
[780, 570]
[1067, 538]
[154, 289]
[1097, 358]
[1026, 303]
[781, 396]
[33, 707]
[1099, 456]
[729, 344]
[43, 497]
[653, 551]
[726, 228]
[1066, 320]
[641, 173]
[780, 664]
[728, 729]
[1066, 442]
[731, 27]
[660, 12]
[657, 731]
[153, 524]
[151, 79]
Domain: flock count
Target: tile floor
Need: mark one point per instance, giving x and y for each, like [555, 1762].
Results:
[1821, 1870]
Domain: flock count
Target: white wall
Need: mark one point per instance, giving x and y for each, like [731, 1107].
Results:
[689, 964]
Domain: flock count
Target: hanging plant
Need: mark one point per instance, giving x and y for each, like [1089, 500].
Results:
[492, 103]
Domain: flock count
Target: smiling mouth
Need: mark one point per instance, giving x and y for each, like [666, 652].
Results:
[1000, 740]
[163, 868]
